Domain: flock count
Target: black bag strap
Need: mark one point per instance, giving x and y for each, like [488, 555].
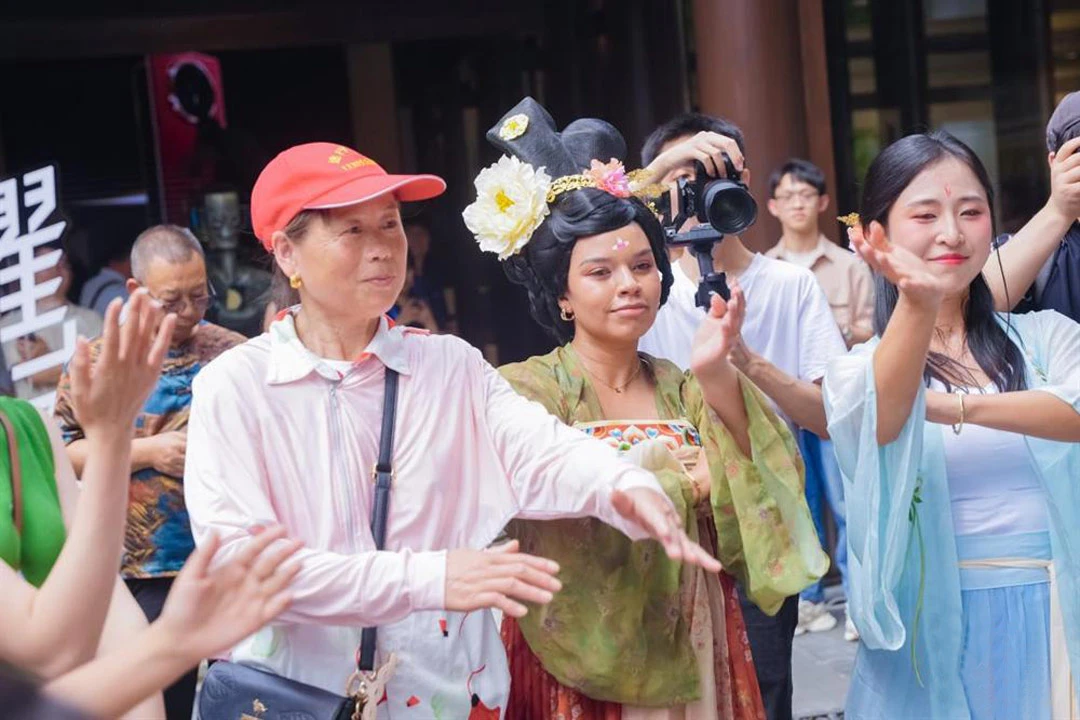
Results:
[383, 480]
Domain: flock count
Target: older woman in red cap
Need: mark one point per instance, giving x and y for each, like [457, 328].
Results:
[287, 427]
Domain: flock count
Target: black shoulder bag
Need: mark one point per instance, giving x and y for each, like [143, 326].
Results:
[232, 691]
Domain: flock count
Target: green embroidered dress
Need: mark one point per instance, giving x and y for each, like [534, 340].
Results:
[621, 629]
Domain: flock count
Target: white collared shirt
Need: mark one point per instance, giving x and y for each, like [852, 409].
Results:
[787, 320]
[277, 435]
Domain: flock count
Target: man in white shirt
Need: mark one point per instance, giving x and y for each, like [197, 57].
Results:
[788, 338]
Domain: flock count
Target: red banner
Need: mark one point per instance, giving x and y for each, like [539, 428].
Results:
[187, 107]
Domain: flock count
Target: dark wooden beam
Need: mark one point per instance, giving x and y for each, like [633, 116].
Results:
[101, 36]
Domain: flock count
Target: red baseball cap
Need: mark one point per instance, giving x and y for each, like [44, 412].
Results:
[324, 175]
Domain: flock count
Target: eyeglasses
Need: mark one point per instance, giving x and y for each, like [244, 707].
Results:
[807, 196]
[199, 303]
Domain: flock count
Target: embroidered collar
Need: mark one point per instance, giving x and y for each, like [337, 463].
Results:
[568, 367]
[290, 360]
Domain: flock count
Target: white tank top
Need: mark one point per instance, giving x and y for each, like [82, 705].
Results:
[993, 484]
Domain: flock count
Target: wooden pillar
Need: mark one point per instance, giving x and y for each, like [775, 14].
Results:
[900, 73]
[751, 70]
[373, 104]
[1019, 32]
[817, 108]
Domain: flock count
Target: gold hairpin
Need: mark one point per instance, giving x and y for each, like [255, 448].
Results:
[641, 186]
[851, 219]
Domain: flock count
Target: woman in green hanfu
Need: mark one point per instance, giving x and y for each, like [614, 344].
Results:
[634, 634]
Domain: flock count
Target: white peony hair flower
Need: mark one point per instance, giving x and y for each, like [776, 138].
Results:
[511, 202]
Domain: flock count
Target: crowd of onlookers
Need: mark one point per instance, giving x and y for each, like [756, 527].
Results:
[122, 407]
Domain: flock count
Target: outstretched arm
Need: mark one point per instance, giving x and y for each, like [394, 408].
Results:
[557, 471]
[900, 357]
[1031, 412]
[54, 628]
[206, 612]
[797, 399]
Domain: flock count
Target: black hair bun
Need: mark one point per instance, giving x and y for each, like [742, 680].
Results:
[591, 139]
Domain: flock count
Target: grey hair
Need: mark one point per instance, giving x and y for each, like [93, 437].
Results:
[171, 243]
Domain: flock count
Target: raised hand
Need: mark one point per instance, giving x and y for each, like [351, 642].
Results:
[708, 148]
[499, 577]
[209, 609]
[1065, 180]
[109, 393]
[913, 276]
[654, 514]
[719, 334]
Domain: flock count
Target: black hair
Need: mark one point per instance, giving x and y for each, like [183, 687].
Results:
[689, 124]
[282, 294]
[1056, 140]
[889, 174]
[800, 170]
[543, 267]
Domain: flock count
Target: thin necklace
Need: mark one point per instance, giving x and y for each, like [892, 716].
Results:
[617, 388]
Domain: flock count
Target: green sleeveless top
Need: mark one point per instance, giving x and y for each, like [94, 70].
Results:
[34, 551]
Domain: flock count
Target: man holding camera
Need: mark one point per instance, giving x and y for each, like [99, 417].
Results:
[1038, 268]
[788, 338]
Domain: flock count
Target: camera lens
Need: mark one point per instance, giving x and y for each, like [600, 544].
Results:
[729, 207]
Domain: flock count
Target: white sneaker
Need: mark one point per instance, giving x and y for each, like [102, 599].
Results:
[814, 617]
[851, 633]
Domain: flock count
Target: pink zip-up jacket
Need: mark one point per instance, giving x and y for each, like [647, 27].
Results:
[279, 435]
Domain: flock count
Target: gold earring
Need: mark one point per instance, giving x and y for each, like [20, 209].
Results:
[294, 281]
[567, 316]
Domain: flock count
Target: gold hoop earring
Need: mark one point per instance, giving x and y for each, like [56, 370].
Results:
[294, 281]
[566, 316]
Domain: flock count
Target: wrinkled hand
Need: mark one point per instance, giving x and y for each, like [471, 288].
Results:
[913, 276]
[31, 348]
[497, 578]
[708, 148]
[210, 610]
[718, 333]
[110, 393]
[1065, 180]
[170, 450]
[654, 514]
[740, 355]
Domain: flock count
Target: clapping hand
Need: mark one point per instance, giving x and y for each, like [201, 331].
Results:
[210, 609]
[913, 276]
[109, 393]
[719, 334]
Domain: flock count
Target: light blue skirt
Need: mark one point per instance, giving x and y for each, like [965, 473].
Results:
[1005, 661]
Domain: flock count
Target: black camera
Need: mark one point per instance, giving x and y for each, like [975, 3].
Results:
[722, 206]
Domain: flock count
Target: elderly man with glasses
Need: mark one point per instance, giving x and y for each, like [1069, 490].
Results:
[168, 262]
